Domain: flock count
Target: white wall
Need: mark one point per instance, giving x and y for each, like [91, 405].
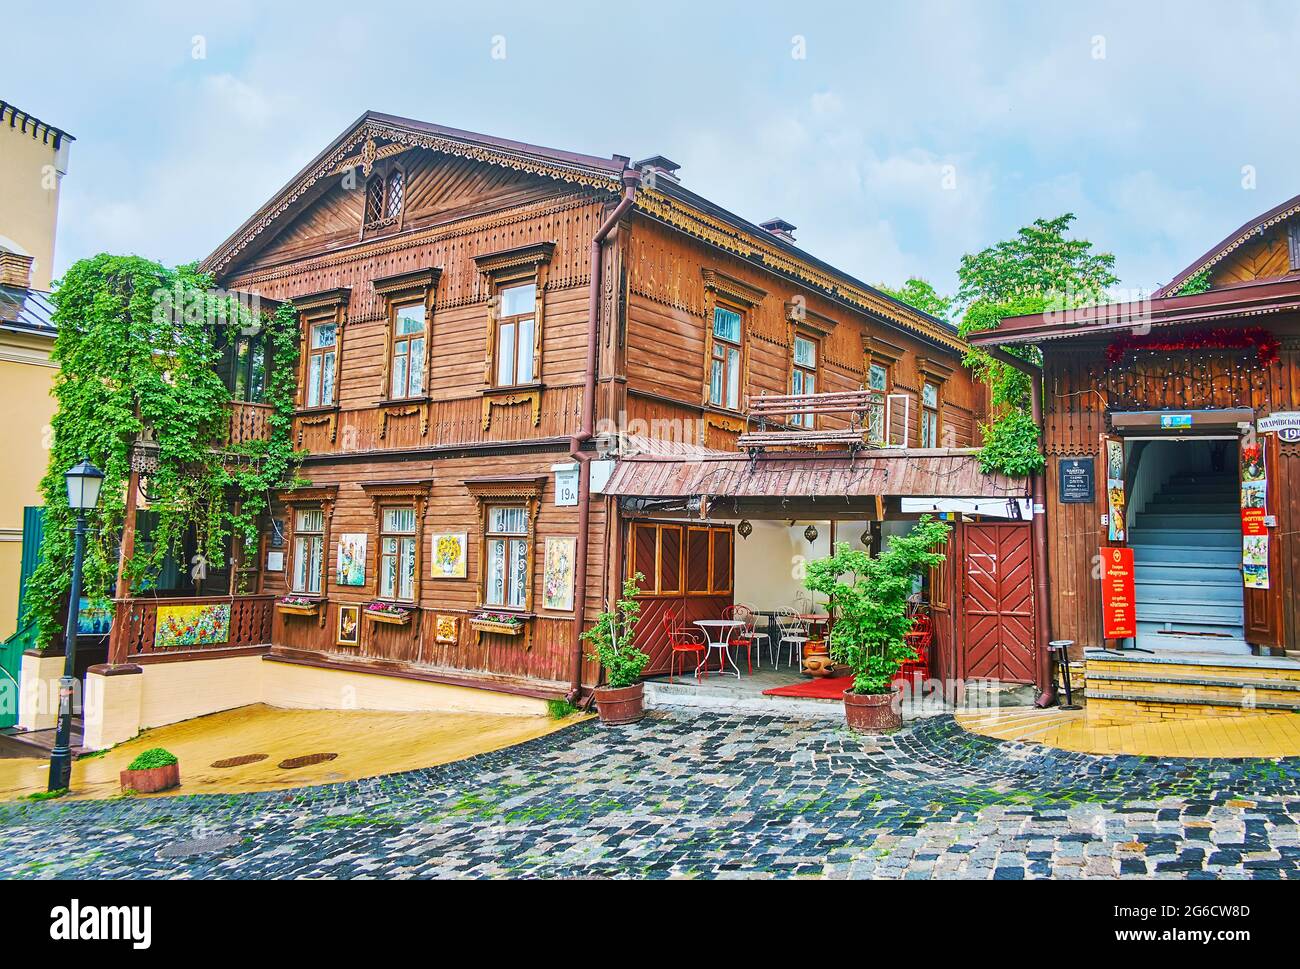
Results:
[769, 564]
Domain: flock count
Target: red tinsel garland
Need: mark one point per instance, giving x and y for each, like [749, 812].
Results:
[1267, 346]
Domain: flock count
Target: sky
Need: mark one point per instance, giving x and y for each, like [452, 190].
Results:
[896, 136]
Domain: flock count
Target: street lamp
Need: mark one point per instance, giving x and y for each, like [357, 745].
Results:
[83, 483]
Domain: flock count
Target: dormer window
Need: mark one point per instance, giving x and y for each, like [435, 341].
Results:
[384, 194]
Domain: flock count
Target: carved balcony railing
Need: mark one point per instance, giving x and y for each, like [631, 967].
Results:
[248, 422]
[201, 623]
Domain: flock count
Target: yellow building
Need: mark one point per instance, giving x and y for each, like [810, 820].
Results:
[33, 161]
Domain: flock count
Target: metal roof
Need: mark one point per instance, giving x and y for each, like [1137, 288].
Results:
[913, 472]
[26, 309]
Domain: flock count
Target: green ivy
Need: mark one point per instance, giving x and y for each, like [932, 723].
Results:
[137, 350]
[1011, 446]
[1195, 283]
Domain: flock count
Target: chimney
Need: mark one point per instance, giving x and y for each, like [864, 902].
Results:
[779, 227]
[15, 270]
[658, 167]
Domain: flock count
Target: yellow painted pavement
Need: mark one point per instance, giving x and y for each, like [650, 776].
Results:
[367, 743]
[1256, 735]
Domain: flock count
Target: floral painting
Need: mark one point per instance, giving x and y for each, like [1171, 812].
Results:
[449, 556]
[557, 574]
[349, 631]
[446, 629]
[352, 559]
[199, 625]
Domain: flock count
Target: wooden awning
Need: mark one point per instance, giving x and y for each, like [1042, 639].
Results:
[912, 472]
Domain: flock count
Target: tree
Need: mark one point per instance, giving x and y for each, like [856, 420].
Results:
[921, 294]
[1036, 270]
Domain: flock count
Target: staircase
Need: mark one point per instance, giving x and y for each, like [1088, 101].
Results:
[1187, 559]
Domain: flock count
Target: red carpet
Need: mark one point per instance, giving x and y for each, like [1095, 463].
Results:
[825, 688]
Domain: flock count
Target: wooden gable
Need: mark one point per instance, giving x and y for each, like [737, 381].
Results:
[436, 188]
[1271, 255]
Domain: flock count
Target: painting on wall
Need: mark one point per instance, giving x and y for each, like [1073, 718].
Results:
[557, 574]
[199, 625]
[352, 559]
[1116, 500]
[349, 629]
[94, 618]
[446, 629]
[450, 558]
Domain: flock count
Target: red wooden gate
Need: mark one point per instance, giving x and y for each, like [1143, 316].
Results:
[996, 609]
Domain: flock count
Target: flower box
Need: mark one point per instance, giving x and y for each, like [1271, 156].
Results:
[298, 608]
[496, 626]
[394, 618]
[151, 780]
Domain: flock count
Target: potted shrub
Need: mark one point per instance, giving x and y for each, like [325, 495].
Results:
[389, 612]
[869, 597]
[154, 770]
[295, 605]
[622, 698]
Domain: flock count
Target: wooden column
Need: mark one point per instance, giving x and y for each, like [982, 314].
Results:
[123, 589]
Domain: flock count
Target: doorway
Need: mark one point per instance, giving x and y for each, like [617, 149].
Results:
[1184, 525]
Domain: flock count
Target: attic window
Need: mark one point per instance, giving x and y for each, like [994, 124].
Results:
[384, 195]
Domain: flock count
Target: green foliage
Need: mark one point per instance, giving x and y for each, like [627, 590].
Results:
[1011, 446]
[46, 795]
[1195, 283]
[920, 294]
[138, 350]
[152, 758]
[611, 638]
[559, 709]
[1038, 270]
[869, 598]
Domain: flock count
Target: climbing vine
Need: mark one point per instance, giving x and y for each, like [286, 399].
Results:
[138, 348]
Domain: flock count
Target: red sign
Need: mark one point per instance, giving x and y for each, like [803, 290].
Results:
[1118, 598]
[1252, 521]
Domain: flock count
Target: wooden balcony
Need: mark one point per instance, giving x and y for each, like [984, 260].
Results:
[248, 422]
[247, 621]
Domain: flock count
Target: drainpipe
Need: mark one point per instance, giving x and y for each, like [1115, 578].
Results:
[631, 181]
[1038, 529]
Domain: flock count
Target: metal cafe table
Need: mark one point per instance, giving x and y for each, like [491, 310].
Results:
[717, 634]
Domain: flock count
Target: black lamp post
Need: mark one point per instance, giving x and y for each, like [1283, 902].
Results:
[83, 483]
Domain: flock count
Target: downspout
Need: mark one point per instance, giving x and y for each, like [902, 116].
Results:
[631, 181]
[1038, 529]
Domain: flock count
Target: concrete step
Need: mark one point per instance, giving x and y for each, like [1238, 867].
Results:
[1195, 663]
[1198, 613]
[1193, 537]
[1284, 689]
[1171, 554]
[1187, 641]
[1208, 698]
[1189, 505]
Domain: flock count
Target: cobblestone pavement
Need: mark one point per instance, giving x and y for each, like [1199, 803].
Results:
[709, 796]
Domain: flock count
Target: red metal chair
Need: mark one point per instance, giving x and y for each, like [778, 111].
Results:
[917, 671]
[680, 642]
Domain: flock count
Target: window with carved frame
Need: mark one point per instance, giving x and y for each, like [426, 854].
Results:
[398, 542]
[385, 193]
[321, 318]
[408, 352]
[929, 414]
[515, 283]
[516, 331]
[308, 551]
[508, 510]
[727, 303]
[803, 374]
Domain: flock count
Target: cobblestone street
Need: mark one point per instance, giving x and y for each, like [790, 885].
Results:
[709, 796]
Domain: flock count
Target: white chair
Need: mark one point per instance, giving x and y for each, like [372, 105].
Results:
[793, 636]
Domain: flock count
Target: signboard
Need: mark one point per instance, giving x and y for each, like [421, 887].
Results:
[1254, 503]
[1077, 477]
[566, 483]
[1285, 424]
[1118, 596]
[1175, 420]
[1116, 500]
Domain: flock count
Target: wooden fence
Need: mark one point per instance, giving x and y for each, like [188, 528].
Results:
[135, 625]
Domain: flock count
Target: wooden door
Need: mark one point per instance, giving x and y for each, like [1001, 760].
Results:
[996, 610]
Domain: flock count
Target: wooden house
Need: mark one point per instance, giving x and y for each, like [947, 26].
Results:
[1172, 428]
[488, 329]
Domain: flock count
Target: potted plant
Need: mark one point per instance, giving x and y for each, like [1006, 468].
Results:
[389, 612]
[154, 770]
[502, 623]
[296, 605]
[622, 698]
[869, 596]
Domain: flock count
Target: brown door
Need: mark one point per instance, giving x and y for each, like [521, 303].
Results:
[996, 611]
